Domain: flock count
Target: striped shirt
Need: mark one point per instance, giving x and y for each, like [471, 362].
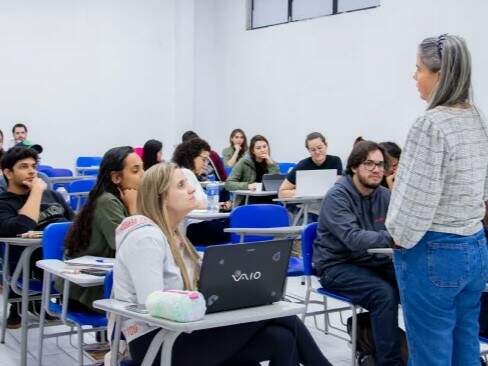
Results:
[441, 183]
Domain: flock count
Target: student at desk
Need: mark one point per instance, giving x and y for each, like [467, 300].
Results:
[316, 145]
[152, 255]
[26, 205]
[192, 157]
[250, 169]
[111, 200]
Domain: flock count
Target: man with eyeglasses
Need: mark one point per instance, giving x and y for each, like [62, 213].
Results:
[351, 221]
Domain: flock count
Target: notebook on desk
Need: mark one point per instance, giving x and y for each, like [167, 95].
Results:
[236, 276]
[315, 182]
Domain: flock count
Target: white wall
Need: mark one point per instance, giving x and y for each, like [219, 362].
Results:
[344, 75]
[89, 75]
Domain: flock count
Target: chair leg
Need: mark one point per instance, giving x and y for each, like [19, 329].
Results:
[46, 291]
[326, 315]
[5, 292]
[80, 345]
[354, 334]
[306, 301]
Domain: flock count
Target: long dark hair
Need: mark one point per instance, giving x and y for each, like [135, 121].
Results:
[80, 233]
[2, 151]
[151, 149]
[244, 144]
[254, 140]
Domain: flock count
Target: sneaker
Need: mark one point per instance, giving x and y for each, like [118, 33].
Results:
[14, 320]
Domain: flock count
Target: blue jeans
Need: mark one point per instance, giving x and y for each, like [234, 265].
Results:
[373, 286]
[440, 281]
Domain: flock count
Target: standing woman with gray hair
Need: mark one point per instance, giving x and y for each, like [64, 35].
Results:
[436, 208]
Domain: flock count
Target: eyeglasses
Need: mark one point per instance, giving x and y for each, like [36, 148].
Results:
[370, 165]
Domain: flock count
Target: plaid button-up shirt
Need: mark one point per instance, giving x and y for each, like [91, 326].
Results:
[441, 183]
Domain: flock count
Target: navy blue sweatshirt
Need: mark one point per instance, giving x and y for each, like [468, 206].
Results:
[53, 209]
[349, 224]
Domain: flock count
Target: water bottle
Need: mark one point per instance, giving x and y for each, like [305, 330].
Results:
[213, 196]
[64, 193]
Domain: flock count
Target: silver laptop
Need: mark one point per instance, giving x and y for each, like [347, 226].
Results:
[272, 182]
[315, 182]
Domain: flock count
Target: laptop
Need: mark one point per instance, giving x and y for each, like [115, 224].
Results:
[315, 182]
[237, 276]
[272, 182]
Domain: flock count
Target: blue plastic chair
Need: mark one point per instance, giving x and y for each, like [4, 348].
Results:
[262, 216]
[82, 185]
[257, 216]
[285, 167]
[88, 161]
[46, 170]
[228, 170]
[308, 237]
[53, 248]
[44, 166]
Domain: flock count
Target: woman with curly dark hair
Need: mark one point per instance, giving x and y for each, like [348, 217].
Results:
[112, 199]
[192, 157]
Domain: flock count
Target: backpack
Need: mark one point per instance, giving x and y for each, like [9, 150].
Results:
[365, 348]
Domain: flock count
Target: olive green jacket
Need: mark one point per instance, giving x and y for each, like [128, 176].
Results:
[227, 155]
[108, 214]
[243, 174]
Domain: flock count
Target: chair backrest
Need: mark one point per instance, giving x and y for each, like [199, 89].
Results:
[84, 161]
[285, 167]
[53, 240]
[257, 216]
[48, 171]
[82, 185]
[228, 170]
[308, 237]
[61, 172]
[108, 282]
[44, 166]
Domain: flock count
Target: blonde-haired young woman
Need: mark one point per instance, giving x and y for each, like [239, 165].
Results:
[153, 255]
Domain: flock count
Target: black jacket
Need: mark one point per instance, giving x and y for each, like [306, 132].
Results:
[53, 209]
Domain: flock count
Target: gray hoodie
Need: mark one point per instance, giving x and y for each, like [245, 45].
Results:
[349, 224]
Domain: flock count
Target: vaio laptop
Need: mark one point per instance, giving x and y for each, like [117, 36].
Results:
[237, 276]
[272, 182]
[315, 182]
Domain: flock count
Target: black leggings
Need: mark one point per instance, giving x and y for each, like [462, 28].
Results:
[282, 341]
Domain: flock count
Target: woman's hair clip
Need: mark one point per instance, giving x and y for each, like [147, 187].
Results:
[440, 44]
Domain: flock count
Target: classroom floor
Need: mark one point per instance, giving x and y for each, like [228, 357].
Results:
[337, 351]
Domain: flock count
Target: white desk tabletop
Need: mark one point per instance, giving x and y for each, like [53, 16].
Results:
[386, 251]
[280, 230]
[276, 310]
[255, 193]
[207, 215]
[69, 179]
[22, 241]
[207, 182]
[60, 269]
[302, 199]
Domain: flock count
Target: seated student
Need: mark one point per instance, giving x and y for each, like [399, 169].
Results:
[238, 147]
[192, 156]
[26, 205]
[111, 200]
[215, 166]
[352, 220]
[152, 254]
[393, 152]
[152, 153]
[316, 145]
[250, 170]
